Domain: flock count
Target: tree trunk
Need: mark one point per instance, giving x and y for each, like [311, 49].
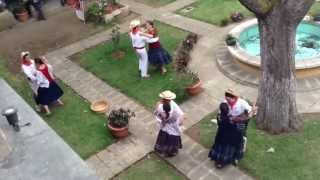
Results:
[276, 98]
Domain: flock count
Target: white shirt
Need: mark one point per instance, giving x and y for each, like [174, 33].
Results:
[240, 107]
[175, 115]
[30, 72]
[139, 41]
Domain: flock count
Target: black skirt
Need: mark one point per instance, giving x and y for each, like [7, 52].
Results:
[167, 144]
[49, 95]
[158, 56]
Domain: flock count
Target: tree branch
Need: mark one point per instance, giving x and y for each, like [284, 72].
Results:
[298, 9]
[259, 7]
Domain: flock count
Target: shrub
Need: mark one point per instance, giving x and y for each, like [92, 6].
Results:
[95, 13]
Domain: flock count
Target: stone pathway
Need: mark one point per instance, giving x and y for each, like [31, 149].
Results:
[192, 160]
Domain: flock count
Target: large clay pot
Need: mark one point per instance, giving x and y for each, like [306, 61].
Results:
[23, 16]
[194, 89]
[119, 132]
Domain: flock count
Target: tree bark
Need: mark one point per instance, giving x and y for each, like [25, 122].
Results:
[277, 22]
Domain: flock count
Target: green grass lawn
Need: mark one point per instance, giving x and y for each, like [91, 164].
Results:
[296, 155]
[83, 130]
[123, 73]
[214, 11]
[152, 167]
[315, 9]
[155, 3]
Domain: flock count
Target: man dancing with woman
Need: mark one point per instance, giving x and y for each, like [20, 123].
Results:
[138, 42]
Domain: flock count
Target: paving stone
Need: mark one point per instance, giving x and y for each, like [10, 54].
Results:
[198, 172]
[210, 176]
[183, 163]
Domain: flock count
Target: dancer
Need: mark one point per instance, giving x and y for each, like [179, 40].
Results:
[170, 117]
[227, 147]
[157, 55]
[240, 112]
[48, 91]
[138, 42]
[29, 69]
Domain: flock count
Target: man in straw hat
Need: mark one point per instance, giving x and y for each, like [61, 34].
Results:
[169, 116]
[138, 42]
[240, 111]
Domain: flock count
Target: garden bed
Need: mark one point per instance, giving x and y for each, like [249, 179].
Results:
[82, 129]
[150, 166]
[123, 73]
[296, 155]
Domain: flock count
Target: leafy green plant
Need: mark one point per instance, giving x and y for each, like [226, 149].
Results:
[95, 13]
[120, 117]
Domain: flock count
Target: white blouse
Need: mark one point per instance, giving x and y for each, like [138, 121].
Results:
[175, 116]
[240, 107]
[30, 72]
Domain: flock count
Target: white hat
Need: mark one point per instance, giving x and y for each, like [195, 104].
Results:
[134, 23]
[24, 53]
[167, 95]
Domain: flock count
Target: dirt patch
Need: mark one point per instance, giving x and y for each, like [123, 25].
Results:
[57, 31]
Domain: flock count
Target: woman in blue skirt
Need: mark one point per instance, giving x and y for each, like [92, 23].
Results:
[228, 143]
[48, 91]
[157, 55]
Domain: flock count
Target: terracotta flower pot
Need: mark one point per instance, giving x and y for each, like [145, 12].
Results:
[194, 89]
[119, 132]
[23, 16]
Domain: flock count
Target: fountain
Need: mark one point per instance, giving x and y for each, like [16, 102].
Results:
[246, 53]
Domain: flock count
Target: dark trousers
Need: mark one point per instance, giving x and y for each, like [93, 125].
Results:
[37, 7]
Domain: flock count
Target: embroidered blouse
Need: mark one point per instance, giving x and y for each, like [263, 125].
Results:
[170, 124]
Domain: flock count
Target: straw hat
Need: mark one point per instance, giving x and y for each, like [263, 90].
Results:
[167, 95]
[232, 92]
[24, 53]
[134, 23]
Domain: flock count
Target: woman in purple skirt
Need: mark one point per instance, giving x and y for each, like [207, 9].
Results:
[169, 116]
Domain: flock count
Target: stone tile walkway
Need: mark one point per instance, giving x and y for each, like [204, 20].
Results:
[192, 161]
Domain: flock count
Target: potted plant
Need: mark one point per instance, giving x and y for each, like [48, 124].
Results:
[191, 82]
[115, 37]
[195, 86]
[230, 40]
[20, 10]
[118, 121]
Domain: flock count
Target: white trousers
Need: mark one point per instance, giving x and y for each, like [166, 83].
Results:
[143, 61]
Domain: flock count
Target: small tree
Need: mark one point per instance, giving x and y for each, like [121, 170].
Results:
[115, 36]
